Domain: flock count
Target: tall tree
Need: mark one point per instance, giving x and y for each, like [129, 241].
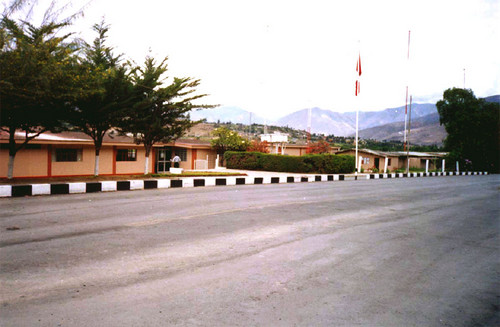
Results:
[108, 91]
[160, 113]
[473, 129]
[36, 81]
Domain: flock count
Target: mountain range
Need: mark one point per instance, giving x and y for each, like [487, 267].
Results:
[387, 124]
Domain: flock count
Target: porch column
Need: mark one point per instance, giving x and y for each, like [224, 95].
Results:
[458, 168]
[194, 155]
[360, 162]
[49, 160]
[114, 159]
[443, 165]
[386, 163]
[426, 166]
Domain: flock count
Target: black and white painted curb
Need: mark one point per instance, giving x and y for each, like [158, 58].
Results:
[112, 186]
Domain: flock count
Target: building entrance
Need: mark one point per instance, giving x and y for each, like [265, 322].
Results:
[163, 156]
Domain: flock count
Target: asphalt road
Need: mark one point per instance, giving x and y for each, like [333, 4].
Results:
[400, 252]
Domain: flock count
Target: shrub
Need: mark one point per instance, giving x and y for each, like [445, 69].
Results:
[311, 163]
[258, 146]
[321, 146]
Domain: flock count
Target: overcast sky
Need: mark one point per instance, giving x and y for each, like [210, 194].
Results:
[276, 57]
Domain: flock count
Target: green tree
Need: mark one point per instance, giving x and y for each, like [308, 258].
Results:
[160, 114]
[107, 91]
[36, 82]
[227, 140]
[473, 129]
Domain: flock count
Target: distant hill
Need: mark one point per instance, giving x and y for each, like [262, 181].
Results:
[425, 130]
[344, 124]
[493, 98]
[226, 114]
[387, 124]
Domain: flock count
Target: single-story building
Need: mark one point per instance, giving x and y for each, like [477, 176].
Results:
[373, 159]
[73, 154]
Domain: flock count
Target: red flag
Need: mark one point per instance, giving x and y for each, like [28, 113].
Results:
[358, 69]
[358, 65]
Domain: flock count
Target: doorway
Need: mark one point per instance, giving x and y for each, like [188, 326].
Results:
[377, 162]
[163, 156]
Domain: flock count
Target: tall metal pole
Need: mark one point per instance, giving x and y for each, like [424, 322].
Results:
[357, 118]
[356, 93]
[309, 118]
[464, 78]
[406, 102]
[408, 139]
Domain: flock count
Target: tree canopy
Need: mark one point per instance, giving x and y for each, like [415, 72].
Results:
[37, 72]
[321, 146]
[472, 125]
[51, 83]
[227, 140]
[160, 114]
[106, 90]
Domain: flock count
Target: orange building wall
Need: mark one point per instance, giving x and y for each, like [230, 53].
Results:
[83, 167]
[369, 166]
[41, 162]
[134, 167]
[27, 163]
[212, 156]
[294, 151]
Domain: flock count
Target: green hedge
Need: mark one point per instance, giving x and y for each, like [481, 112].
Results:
[311, 163]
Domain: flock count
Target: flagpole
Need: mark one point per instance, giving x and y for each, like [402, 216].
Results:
[406, 102]
[356, 93]
[357, 118]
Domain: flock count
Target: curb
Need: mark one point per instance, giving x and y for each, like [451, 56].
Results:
[113, 186]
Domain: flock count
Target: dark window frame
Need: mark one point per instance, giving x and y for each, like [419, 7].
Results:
[182, 153]
[67, 154]
[126, 155]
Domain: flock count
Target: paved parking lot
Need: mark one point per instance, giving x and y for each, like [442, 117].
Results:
[401, 252]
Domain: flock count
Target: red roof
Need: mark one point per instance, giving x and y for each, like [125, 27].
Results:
[111, 138]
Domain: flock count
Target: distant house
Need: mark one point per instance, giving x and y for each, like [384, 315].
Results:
[373, 159]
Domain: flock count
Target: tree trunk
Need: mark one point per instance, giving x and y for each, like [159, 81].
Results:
[146, 166]
[146, 162]
[10, 167]
[96, 165]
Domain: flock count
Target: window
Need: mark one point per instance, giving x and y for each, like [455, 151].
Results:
[126, 155]
[68, 155]
[182, 153]
[388, 161]
[366, 161]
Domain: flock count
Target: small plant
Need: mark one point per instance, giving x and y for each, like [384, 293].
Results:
[375, 170]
